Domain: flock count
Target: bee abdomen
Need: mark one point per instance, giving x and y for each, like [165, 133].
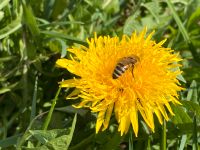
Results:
[119, 70]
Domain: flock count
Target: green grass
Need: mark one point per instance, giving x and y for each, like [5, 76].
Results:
[34, 34]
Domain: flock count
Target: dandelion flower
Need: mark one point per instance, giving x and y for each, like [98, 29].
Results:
[146, 87]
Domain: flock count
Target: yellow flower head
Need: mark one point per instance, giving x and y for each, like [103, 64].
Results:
[128, 76]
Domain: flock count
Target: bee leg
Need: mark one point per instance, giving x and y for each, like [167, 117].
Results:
[138, 99]
[132, 70]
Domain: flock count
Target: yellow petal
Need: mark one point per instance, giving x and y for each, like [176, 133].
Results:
[134, 121]
[159, 116]
[108, 115]
[100, 120]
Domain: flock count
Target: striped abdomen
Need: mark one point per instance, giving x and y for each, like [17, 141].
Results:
[124, 64]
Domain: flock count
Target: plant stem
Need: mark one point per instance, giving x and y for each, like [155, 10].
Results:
[163, 142]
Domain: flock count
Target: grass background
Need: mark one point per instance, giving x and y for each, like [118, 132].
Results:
[34, 34]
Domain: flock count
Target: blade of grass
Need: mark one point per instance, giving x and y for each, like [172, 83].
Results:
[130, 141]
[49, 24]
[61, 35]
[183, 30]
[8, 58]
[195, 141]
[33, 107]
[25, 96]
[48, 119]
[5, 124]
[11, 28]
[178, 21]
[183, 142]
[69, 139]
[29, 19]
[149, 143]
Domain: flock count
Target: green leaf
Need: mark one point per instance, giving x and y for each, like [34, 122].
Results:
[69, 137]
[58, 9]
[181, 78]
[132, 24]
[50, 24]
[30, 144]
[192, 73]
[30, 19]
[183, 31]
[9, 141]
[8, 58]
[130, 141]
[114, 142]
[49, 116]
[193, 18]
[74, 94]
[181, 115]
[183, 142]
[38, 65]
[4, 90]
[84, 143]
[8, 88]
[195, 132]
[178, 21]
[60, 35]
[55, 139]
[59, 143]
[62, 46]
[185, 128]
[193, 107]
[11, 28]
[71, 109]
[192, 92]
[34, 100]
[4, 3]
[154, 9]
[1, 15]
[46, 136]
[111, 6]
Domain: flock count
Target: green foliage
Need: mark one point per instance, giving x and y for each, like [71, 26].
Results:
[34, 34]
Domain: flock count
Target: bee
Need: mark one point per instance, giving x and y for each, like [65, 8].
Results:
[124, 64]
